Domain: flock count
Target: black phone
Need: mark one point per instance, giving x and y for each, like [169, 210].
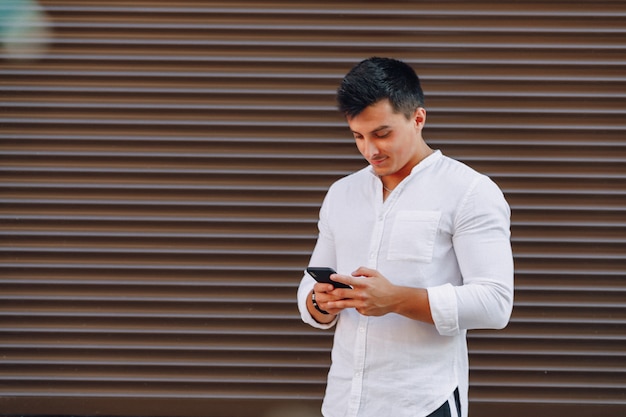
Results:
[322, 274]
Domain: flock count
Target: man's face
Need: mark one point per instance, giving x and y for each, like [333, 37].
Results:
[388, 140]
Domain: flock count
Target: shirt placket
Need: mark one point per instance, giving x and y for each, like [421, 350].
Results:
[361, 336]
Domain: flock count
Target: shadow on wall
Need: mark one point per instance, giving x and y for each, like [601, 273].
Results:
[25, 31]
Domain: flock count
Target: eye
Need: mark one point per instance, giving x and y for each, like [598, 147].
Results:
[383, 134]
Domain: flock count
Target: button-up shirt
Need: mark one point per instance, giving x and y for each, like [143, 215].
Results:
[445, 228]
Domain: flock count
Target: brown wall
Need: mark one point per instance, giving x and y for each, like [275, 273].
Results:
[163, 164]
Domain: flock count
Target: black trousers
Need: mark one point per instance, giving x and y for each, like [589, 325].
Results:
[444, 410]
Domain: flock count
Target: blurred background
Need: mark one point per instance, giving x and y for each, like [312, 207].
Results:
[163, 163]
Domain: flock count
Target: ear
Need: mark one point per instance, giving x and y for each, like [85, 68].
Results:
[419, 117]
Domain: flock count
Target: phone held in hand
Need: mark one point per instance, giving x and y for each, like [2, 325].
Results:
[322, 274]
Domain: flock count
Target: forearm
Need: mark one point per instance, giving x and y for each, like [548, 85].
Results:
[412, 303]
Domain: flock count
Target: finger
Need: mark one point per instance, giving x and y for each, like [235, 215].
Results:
[364, 272]
[321, 287]
[341, 304]
[344, 279]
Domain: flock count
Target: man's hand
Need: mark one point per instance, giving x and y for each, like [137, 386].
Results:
[325, 294]
[371, 295]
[374, 295]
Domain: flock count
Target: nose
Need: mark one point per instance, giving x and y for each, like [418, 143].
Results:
[369, 149]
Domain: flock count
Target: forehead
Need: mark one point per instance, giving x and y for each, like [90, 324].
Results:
[379, 114]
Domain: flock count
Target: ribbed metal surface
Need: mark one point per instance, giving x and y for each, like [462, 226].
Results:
[163, 165]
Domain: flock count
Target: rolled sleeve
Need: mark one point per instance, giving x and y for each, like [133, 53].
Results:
[444, 309]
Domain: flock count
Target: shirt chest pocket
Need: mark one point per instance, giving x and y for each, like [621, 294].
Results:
[413, 236]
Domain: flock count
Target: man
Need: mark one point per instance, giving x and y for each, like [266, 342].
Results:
[424, 242]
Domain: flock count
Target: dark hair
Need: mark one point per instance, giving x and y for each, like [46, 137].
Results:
[376, 79]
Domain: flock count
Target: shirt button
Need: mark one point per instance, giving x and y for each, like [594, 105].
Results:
[362, 329]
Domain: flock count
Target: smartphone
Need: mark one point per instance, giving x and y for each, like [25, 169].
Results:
[322, 274]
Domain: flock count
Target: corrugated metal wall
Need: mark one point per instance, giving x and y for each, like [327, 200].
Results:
[163, 164]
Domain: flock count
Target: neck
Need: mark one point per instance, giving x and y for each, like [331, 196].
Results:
[390, 182]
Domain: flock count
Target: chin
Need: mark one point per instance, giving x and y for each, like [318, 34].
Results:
[380, 171]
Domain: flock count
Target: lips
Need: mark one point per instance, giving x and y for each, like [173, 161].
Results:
[377, 161]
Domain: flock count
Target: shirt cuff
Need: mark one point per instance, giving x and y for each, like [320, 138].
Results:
[443, 308]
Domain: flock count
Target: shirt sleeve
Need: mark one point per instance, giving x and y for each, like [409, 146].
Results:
[482, 245]
[323, 255]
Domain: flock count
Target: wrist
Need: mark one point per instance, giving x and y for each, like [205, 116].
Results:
[316, 306]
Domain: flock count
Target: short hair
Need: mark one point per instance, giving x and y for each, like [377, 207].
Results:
[376, 79]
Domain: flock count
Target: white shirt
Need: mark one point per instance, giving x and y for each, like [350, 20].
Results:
[444, 228]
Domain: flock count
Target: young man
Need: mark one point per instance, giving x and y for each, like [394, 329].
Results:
[424, 242]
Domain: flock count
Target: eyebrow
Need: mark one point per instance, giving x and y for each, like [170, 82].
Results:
[378, 129]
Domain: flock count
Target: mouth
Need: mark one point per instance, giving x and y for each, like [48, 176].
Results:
[377, 161]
